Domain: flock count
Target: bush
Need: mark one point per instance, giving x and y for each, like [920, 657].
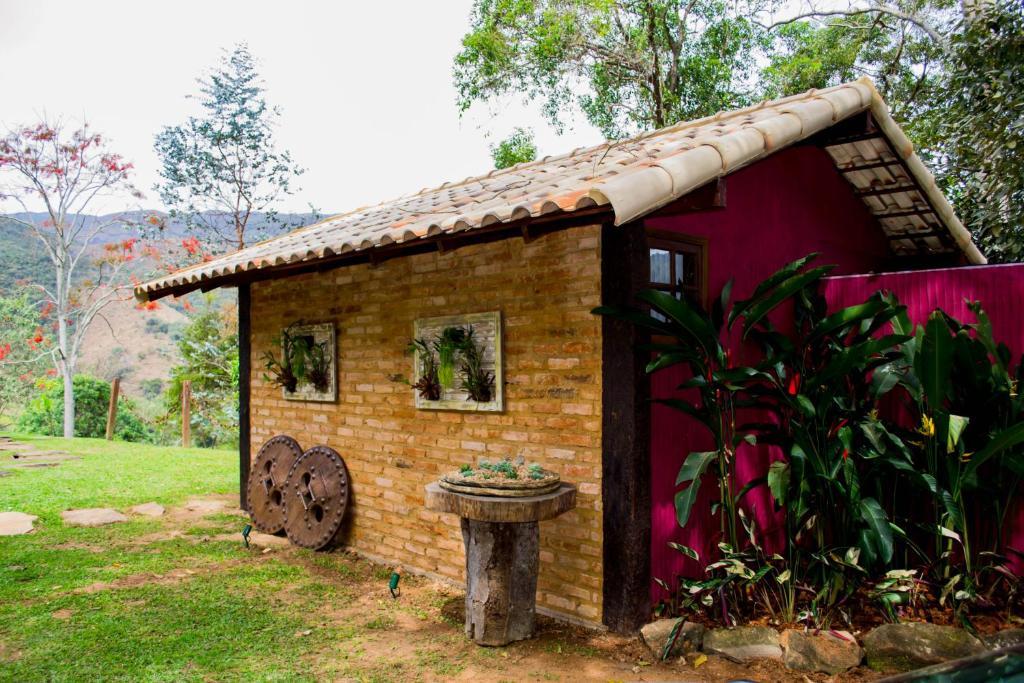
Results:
[44, 415]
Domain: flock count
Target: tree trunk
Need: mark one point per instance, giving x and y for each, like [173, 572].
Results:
[69, 403]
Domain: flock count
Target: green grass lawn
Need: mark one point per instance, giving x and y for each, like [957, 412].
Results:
[226, 625]
[180, 598]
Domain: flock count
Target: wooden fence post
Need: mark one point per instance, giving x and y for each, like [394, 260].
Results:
[115, 390]
[186, 414]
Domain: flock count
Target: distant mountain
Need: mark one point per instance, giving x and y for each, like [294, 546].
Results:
[22, 258]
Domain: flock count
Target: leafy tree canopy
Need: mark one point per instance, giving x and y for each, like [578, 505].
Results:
[517, 148]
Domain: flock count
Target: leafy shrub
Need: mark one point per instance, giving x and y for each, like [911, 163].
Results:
[45, 414]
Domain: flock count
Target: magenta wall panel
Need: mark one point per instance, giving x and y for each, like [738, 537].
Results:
[777, 210]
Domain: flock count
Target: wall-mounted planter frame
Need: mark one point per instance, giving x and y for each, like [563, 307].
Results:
[487, 331]
[305, 391]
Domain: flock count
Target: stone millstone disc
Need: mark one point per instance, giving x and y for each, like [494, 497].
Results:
[315, 498]
[265, 490]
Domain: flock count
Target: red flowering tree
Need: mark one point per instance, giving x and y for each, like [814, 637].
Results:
[65, 173]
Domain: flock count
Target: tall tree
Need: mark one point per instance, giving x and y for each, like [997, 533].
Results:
[628, 64]
[221, 168]
[67, 173]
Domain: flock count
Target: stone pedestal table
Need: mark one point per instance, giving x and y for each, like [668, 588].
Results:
[502, 555]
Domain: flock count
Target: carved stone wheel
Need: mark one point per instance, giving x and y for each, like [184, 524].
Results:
[265, 490]
[315, 498]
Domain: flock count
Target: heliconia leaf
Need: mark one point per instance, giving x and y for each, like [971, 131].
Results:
[783, 292]
[686, 318]
[1008, 438]
[774, 279]
[877, 521]
[778, 481]
[957, 424]
[847, 317]
[933, 361]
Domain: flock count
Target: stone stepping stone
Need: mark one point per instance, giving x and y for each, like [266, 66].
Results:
[261, 540]
[92, 517]
[15, 523]
[204, 506]
[147, 509]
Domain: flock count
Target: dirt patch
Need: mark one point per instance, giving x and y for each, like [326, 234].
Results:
[62, 614]
[175, 576]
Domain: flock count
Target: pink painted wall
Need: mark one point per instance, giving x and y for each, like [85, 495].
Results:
[777, 210]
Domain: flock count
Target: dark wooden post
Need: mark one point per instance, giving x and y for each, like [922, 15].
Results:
[115, 389]
[626, 465]
[244, 378]
[186, 414]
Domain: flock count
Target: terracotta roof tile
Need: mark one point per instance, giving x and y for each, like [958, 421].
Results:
[633, 176]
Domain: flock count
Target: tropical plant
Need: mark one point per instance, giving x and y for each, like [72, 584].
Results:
[287, 370]
[317, 365]
[427, 384]
[447, 345]
[963, 391]
[476, 381]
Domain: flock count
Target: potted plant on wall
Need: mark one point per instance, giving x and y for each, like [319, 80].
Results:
[476, 381]
[286, 371]
[427, 384]
[447, 345]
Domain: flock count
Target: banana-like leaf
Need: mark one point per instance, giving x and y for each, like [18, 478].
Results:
[933, 361]
[846, 317]
[878, 523]
[685, 317]
[774, 279]
[778, 481]
[1008, 438]
[782, 293]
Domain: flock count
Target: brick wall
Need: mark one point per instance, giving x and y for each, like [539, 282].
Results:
[545, 289]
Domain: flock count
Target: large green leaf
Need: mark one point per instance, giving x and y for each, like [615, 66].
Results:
[1008, 438]
[691, 471]
[783, 292]
[687, 319]
[846, 317]
[878, 523]
[769, 283]
[933, 361]
[778, 481]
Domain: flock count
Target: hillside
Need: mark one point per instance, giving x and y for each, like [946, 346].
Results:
[136, 345]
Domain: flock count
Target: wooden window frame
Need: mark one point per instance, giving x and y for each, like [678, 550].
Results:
[675, 242]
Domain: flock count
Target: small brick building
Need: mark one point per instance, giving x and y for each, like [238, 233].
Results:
[543, 243]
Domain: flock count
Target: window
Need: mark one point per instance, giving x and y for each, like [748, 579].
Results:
[678, 265]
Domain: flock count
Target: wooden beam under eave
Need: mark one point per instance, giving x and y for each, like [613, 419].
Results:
[707, 197]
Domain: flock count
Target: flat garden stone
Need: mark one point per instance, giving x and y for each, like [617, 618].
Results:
[1005, 638]
[911, 645]
[92, 517]
[829, 652]
[743, 643]
[205, 506]
[261, 540]
[656, 634]
[147, 509]
[15, 523]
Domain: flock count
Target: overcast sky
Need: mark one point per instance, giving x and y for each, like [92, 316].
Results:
[365, 88]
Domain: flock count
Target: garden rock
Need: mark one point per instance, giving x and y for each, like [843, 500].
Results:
[744, 643]
[912, 645]
[148, 509]
[656, 634]
[825, 651]
[15, 523]
[261, 540]
[92, 517]
[204, 506]
[1005, 638]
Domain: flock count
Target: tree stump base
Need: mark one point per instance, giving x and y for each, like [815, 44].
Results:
[502, 540]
